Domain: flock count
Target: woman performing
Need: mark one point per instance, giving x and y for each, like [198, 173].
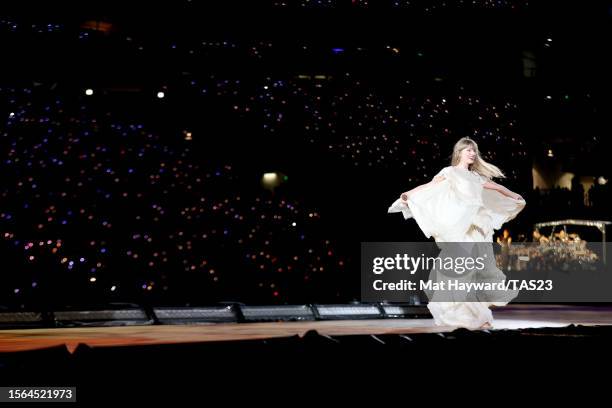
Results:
[462, 204]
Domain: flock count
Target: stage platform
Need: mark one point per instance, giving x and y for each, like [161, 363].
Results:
[512, 317]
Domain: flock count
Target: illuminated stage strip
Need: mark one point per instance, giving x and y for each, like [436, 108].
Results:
[510, 317]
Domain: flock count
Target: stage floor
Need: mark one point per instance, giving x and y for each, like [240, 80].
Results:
[510, 317]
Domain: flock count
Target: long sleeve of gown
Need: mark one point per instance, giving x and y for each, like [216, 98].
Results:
[447, 209]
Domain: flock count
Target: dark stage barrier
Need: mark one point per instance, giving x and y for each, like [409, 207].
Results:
[306, 366]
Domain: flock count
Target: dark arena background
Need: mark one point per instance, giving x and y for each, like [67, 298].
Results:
[185, 187]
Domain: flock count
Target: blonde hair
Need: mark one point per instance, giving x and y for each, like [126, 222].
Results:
[480, 166]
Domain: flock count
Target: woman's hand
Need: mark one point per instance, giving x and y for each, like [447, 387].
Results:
[405, 196]
[517, 197]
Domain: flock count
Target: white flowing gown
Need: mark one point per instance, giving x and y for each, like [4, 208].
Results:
[460, 209]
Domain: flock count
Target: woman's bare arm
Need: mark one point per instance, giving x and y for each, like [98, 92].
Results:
[435, 180]
[498, 187]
